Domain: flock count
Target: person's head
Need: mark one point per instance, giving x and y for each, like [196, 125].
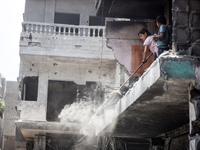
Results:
[143, 34]
[85, 91]
[161, 20]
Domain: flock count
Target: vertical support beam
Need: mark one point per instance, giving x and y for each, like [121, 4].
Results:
[40, 142]
[49, 11]
[10, 114]
[42, 94]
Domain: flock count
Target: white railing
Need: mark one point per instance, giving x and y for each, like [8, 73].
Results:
[62, 29]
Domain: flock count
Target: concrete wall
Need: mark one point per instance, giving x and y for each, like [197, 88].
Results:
[122, 35]
[10, 114]
[65, 46]
[44, 10]
[2, 97]
[78, 71]
[61, 57]
[2, 87]
[186, 23]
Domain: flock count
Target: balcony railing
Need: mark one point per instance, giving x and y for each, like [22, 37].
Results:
[62, 29]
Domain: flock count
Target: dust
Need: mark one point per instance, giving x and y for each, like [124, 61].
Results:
[89, 116]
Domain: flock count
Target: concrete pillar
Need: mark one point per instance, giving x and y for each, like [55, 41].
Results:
[10, 114]
[49, 11]
[40, 142]
[42, 93]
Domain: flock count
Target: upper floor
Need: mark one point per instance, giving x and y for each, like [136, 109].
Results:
[63, 28]
[74, 12]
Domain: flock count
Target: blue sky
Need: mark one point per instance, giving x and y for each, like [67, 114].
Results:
[11, 14]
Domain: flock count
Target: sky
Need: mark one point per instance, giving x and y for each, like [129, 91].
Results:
[11, 14]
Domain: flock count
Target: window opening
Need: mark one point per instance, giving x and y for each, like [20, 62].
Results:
[96, 21]
[30, 89]
[67, 18]
[60, 93]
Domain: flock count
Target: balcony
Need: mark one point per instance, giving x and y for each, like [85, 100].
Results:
[55, 40]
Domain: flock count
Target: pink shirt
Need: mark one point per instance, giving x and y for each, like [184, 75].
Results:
[151, 44]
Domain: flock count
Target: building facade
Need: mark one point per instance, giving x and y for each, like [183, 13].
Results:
[62, 52]
[2, 105]
[67, 46]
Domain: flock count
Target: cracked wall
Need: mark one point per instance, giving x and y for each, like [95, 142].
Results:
[122, 35]
[186, 26]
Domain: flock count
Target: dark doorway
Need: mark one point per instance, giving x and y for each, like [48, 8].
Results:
[60, 93]
[30, 89]
[67, 18]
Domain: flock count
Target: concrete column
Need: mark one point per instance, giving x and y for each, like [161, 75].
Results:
[49, 11]
[42, 93]
[10, 114]
[40, 142]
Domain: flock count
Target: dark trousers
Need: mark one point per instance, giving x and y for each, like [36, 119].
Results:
[161, 50]
[154, 56]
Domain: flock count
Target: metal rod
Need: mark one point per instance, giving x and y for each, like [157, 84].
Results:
[125, 81]
[135, 71]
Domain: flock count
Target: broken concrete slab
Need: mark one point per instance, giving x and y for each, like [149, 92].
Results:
[148, 110]
[30, 128]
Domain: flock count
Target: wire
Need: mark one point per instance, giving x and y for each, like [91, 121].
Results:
[101, 54]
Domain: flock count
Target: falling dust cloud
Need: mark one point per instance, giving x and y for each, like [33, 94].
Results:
[89, 116]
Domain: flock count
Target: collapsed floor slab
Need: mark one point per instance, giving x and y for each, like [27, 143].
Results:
[157, 103]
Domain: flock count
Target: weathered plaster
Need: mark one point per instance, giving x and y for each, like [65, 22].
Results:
[122, 35]
[197, 74]
[179, 69]
[10, 114]
[44, 10]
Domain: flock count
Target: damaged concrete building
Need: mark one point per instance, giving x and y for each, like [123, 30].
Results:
[63, 51]
[2, 106]
[67, 46]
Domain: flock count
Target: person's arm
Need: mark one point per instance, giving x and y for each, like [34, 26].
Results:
[162, 31]
[159, 37]
[87, 96]
[145, 54]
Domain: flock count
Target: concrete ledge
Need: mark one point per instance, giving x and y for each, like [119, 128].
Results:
[30, 128]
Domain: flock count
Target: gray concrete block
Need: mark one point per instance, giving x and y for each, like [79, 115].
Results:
[181, 19]
[195, 19]
[195, 49]
[195, 34]
[194, 4]
[182, 48]
[181, 35]
[180, 5]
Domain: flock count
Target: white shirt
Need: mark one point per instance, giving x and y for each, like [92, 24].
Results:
[151, 44]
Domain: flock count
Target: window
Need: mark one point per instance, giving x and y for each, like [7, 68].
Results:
[67, 18]
[60, 93]
[30, 89]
